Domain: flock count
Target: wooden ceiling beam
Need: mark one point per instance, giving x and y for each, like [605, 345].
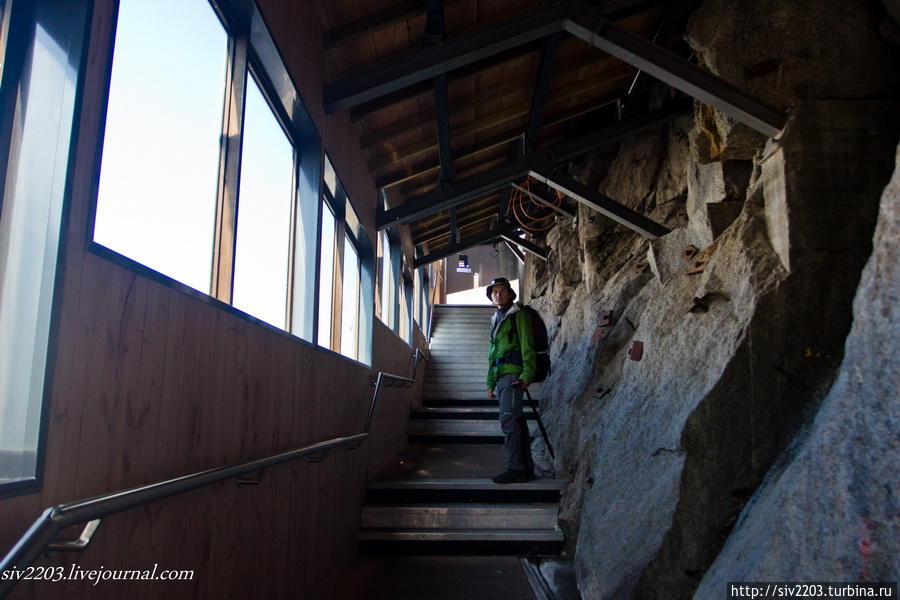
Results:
[430, 144]
[370, 24]
[440, 59]
[437, 240]
[611, 9]
[465, 243]
[503, 138]
[481, 97]
[438, 228]
[495, 179]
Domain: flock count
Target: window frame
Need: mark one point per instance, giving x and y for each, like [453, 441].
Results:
[20, 22]
[250, 49]
[350, 231]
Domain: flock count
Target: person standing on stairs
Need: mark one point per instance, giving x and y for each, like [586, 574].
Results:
[512, 366]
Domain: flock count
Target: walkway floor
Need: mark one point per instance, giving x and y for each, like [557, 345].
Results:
[446, 461]
[433, 578]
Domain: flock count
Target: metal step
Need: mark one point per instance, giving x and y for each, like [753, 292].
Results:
[446, 535]
[454, 402]
[459, 343]
[449, 517]
[467, 484]
[452, 380]
[459, 372]
[435, 399]
[451, 377]
[458, 427]
[473, 385]
[457, 350]
[481, 491]
[458, 413]
[480, 399]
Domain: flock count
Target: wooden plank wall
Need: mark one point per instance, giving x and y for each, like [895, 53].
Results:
[151, 383]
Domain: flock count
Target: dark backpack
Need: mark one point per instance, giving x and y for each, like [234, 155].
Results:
[541, 343]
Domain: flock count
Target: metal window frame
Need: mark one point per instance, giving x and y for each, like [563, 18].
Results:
[20, 19]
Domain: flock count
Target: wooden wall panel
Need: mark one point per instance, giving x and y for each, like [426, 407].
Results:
[150, 383]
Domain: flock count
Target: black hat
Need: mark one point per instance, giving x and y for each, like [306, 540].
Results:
[500, 281]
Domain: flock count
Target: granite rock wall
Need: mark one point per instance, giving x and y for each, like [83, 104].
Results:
[665, 451]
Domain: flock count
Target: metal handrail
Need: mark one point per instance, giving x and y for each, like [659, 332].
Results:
[44, 530]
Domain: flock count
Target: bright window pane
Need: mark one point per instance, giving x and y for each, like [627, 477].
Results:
[352, 220]
[350, 304]
[264, 213]
[30, 224]
[404, 311]
[387, 281]
[326, 277]
[157, 194]
[330, 177]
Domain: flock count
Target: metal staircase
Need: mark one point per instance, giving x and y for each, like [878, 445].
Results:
[437, 497]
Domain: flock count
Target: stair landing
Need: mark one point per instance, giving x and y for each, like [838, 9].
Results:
[432, 577]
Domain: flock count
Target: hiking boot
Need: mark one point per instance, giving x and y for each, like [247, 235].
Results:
[511, 476]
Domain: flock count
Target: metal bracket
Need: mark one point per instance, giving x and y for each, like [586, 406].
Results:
[637, 351]
[697, 261]
[79, 544]
[604, 323]
[251, 478]
[316, 457]
[699, 305]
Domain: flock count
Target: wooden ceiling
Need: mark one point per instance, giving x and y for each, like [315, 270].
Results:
[529, 98]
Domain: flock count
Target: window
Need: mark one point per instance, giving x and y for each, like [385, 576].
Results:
[345, 325]
[350, 296]
[4, 33]
[158, 181]
[406, 316]
[305, 239]
[264, 213]
[421, 298]
[388, 281]
[417, 294]
[326, 276]
[38, 101]
[230, 205]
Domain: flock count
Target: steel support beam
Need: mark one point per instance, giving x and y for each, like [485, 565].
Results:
[454, 226]
[435, 36]
[474, 240]
[599, 202]
[495, 179]
[515, 250]
[541, 91]
[462, 191]
[680, 74]
[531, 247]
[440, 59]
[612, 9]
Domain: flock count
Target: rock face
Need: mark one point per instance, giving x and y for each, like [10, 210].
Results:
[665, 447]
[830, 512]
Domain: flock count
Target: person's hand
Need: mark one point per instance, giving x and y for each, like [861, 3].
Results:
[490, 393]
[522, 385]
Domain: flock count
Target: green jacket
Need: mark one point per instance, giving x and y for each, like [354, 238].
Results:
[505, 339]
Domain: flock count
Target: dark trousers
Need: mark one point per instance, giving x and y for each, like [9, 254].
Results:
[516, 439]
